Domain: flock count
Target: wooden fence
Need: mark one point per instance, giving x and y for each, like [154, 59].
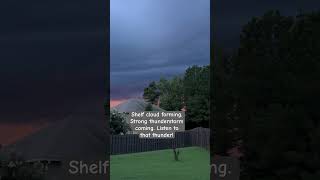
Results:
[131, 143]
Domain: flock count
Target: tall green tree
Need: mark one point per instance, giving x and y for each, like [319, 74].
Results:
[276, 90]
[196, 95]
[151, 93]
[171, 93]
[189, 90]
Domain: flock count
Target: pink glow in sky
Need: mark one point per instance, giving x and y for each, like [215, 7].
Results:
[116, 102]
[11, 132]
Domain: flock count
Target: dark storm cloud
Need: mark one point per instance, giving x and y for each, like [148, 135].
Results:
[52, 57]
[151, 39]
[157, 38]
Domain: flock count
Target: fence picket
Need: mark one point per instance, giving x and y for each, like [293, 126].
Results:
[131, 143]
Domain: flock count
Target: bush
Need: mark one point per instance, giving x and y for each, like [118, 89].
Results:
[118, 124]
[149, 107]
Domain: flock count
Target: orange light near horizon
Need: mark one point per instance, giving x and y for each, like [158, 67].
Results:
[11, 132]
[116, 102]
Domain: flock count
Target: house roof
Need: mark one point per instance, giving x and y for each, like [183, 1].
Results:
[134, 105]
[79, 136]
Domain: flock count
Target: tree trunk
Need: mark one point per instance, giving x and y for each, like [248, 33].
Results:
[176, 154]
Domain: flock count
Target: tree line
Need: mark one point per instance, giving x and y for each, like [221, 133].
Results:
[189, 91]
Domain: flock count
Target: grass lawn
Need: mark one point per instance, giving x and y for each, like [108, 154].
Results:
[160, 165]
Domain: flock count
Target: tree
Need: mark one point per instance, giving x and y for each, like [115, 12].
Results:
[151, 93]
[171, 93]
[118, 124]
[196, 96]
[176, 154]
[275, 87]
[190, 90]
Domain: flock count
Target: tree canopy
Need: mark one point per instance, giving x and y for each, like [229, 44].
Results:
[189, 91]
[271, 97]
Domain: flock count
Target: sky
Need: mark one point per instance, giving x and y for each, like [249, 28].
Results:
[52, 56]
[155, 38]
[53, 53]
[150, 39]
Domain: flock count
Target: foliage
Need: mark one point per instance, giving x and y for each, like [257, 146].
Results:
[149, 107]
[171, 93]
[190, 90]
[118, 124]
[273, 95]
[196, 95]
[151, 93]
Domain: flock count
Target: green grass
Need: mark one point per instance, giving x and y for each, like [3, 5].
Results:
[160, 165]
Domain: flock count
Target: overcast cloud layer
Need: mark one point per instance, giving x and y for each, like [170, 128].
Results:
[151, 39]
[52, 53]
[154, 38]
